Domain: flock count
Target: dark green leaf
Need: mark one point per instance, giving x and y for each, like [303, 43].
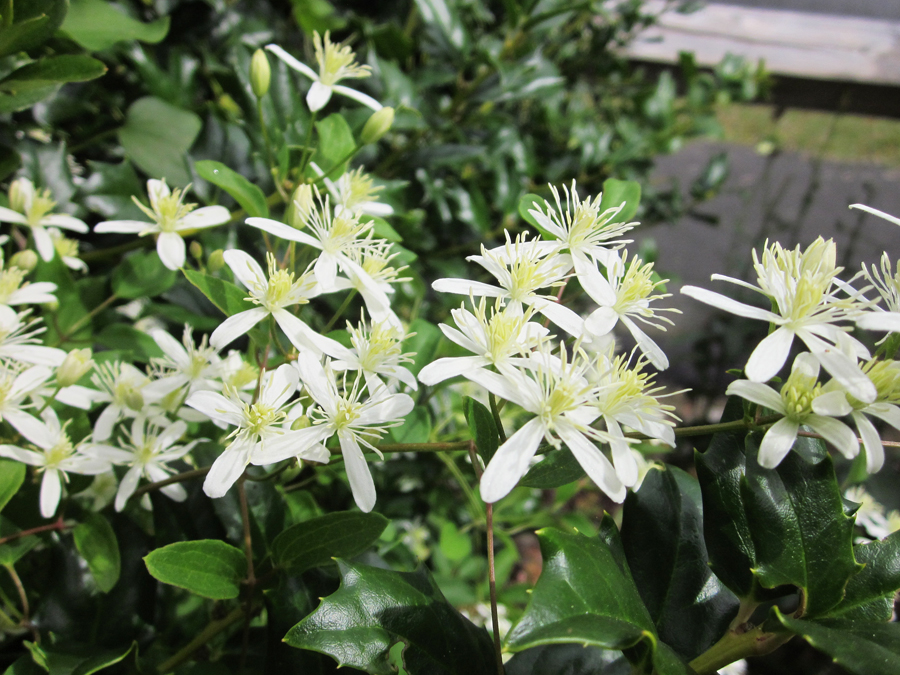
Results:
[336, 142]
[423, 344]
[156, 136]
[443, 17]
[127, 338]
[76, 659]
[207, 567]
[24, 665]
[12, 475]
[317, 15]
[15, 549]
[667, 662]
[96, 542]
[317, 541]
[662, 534]
[15, 102]
[97, 25]
[582, 596]
[35, 22]
[870, 594]
[617, 191]
[52, 70]
[567, 660]
[142, 274]
[482, 428]
[10, 161]
[557, 468]
[860, 647]
[800, 532]
[245, 193]
[529, 203]
[376, 608]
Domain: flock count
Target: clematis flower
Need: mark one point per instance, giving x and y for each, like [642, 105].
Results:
[185, 365]
[377, 352]
[559, 395]
[171, 219]
[375, 283]
[56, 457]
[17, 385]
[14, 290]
[19, 341]
[260, 432]
[122, 387]
[31, 208]
[335, 64]
[802, 400]
[803, 289]
[355, 421]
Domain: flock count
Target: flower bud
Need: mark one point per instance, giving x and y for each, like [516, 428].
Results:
[302, 204]
[196, 249]
[17, 195]
[25, 260]
[134, 399]
[301, 422]
[377, 126]
[216, 261]
[260, 73]
[76, 365]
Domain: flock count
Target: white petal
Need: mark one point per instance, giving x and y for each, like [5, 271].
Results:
[511, 461]
[216, 406]
[837, 433]
[246, 270]
[466, 287]
[35, 431]
[871, 442]
[64, 221]
[594, 462]
[725, 303]
[22, 455]
[235, 326]
[127, 487]
[280, 386]
[171, 347]
[888, 412]
[393, 407]
[171, 250]
[512, 387]
[318, 96]
[601, 321]
[561, 316]
[208, 216]
[302, 336]
[886, 321]
[769, 356]
[357, 96]
[623, 459]
[646, 344]
[10, 216]
[283, 231]
[358, 473]
[758, 393]
[43, 243]
[594, 284]
[227, 468]
[292, 62]
[875, 212]
[103, 427]
[832, 404]
[846, 371]
[325, 269]
[445, 368]
[122, 226]
[51, 491]
[777, 442]
[291, 444]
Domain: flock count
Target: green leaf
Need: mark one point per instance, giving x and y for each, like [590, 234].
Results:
[482, 427]
[869, 595]
[97, 25]
[10, 161]
[35, 22]
[416, 427]
[15, 549]
[52, 70]
[15, 102]
[582, 596]
[156, 137]
[862, 648]
[529, 203]
[207, 567]
[317, 541]
[383, 229]
[226, 296]
[336, 142]
[557, 468]
[142, 274]
[617, 191]
[566, 660]
[121, 336]
[96, 542]
[245, 193]
[423, 344]
[800, 531]
[317, 15]
[12, 475]
[376, 608]
[662, 535]
[444, 18]
[455, 544]
[76, 659]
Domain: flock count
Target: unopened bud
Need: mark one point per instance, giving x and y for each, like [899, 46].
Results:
[76, 365]
[301, 422]
[302, 204]
[134, 400]
[377, 126]
[17, 194]
[260, 73]
[25, 260]
[216, 261]
[196, 249]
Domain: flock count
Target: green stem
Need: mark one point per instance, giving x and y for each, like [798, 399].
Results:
[251, 574]
[340, 311]
[736, 646]
[495, 411]
[492, 586]
[474, 502]
[265, 135]
[338, 165]
[212, 629]
[307, 149]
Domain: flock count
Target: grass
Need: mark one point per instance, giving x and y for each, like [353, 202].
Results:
[846, 138]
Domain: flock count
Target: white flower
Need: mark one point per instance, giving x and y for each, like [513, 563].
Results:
[626, 291]
[14, 292]
[493, 339]
[335, 64]
[67, 249]
[374, 285]
[147, 450]
[888, 286]
[31, 208]
[562, 399]
[353, 420]
[185, 365]
[802, 400]
[59, 456]
[17, 385]
[172, 219]
[19, 342]
[802, 286]
[121, 386]
[260, 432]
[356, 192]
[377, 352]
[521, 268]
[871, 515]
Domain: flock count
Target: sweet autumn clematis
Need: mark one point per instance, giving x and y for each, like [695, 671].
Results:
[31, 208]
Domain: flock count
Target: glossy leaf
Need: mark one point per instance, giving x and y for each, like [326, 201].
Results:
[567, 660]
[245, 193]
[423, 344]
[444, 17]
[317, 541]
[50, 71]
[97, 25]
[336, 142]
[482, 428]
[35, 22]
[861, 647]
[26, 99]
[375, 609]
[12, 475]
[156, 137]
[582, 596]
[662, 535]
[869, 595]
[142, 274]
[123, 337]
[207, 567]
[76, 659]
[96, 542]
[800, 531]
[556, 468]
[617, 191]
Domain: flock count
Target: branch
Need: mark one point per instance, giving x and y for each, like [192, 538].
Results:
[57, 526]
[212, 629]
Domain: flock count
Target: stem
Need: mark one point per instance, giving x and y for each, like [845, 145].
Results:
[492, 584]
[340, 311]
[75, 327]
[734, 647]
[26, 610]
[307, 152]
[265, 135]
[177, 478]
[338, 165]
[57, 526]
[474, 502]
[251, 575]
[495, 411]
[212, 629]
